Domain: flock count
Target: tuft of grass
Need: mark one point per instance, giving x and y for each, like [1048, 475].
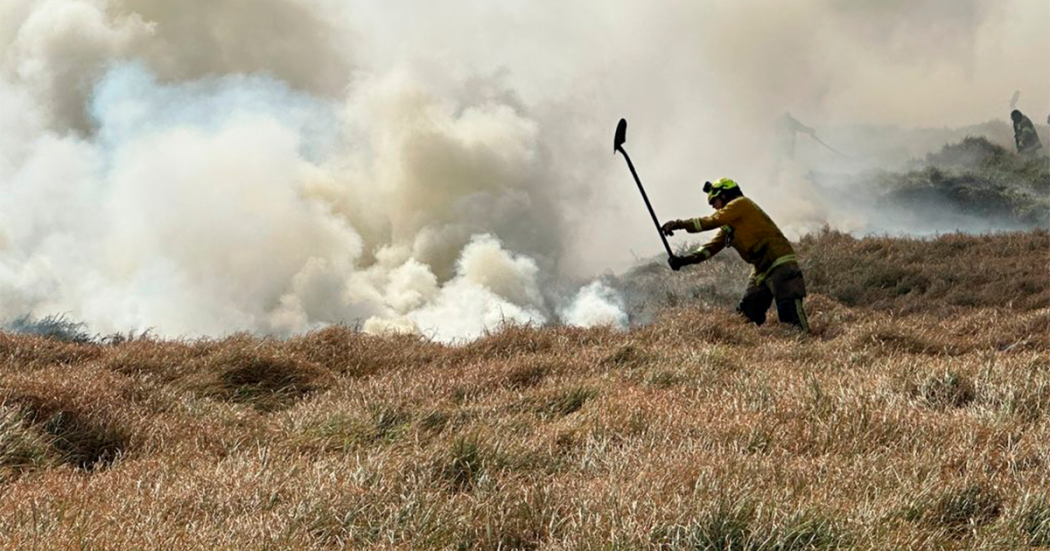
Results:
[727, 526]
[510, 341]
[343, 350]
[664, 379]
[1033, 520]
[628, 356]
[463, 465]
[959, 511]
[946, 390]
[435, 421]
[566, 402]
[21, 448]
[526, 376]
[389, 422]
[83, 440]
[803, 531]
[902, 340]
[739, 526]
[262, 379]
[1027, 402]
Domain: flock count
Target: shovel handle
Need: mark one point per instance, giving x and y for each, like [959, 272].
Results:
[645, 197]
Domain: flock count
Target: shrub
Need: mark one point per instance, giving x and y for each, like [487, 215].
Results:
[57, 327]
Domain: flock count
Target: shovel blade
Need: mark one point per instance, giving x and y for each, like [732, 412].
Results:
[621, 135]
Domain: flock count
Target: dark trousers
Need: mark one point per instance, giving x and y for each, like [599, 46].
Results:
[786, 286]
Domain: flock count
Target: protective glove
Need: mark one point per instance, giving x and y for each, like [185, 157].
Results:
[676, 262]
[669, 227]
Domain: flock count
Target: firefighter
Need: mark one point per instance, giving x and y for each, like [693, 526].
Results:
[787, 128]
[739, 223]
[1025, 137]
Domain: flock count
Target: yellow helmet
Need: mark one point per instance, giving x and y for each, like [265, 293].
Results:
[713, 190]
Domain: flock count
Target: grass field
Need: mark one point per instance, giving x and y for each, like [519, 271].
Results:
[917, 416]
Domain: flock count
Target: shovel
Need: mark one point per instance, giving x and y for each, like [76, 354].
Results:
[618, 141]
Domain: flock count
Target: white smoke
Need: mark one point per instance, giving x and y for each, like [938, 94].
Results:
[190, 226]
[57, 49]
[491, 287]
[206, 166]
[596, 305]
[237, 203]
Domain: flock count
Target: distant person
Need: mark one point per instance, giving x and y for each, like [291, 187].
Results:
[787, 127]
[740, 223]
[1024, 133]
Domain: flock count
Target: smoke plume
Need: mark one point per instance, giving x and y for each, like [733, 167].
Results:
[203, 167]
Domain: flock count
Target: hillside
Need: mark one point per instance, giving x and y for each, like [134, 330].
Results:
[899, 275]
[916, 417]
[974, 185]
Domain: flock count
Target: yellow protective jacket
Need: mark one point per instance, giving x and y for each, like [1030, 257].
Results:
[741, 224]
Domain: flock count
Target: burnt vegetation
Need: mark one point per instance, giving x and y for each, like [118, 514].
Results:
[916, 416]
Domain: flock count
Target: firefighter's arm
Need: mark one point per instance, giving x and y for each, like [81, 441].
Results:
[711, 248]
[671, 226]
[725, 216]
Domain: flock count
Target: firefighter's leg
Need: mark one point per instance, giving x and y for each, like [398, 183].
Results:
[790, 310]
[756, 301]
[789, 288]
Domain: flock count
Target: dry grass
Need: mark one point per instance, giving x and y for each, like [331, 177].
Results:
[897, 425]
[900, 275]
